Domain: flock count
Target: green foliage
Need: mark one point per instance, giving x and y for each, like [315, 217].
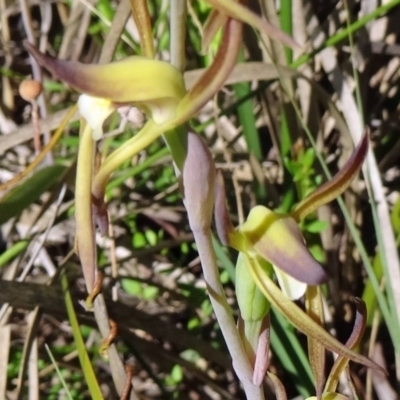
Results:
[148, 181]
[27, 193]
[139, 289]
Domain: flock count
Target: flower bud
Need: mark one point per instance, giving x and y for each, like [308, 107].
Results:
[198, 176]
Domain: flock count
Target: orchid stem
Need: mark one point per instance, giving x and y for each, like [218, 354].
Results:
[176, 139]
[224, 316]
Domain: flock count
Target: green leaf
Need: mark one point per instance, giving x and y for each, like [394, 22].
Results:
[139, 240]
[13, 252]
[29, 191]
[150, 293]
[87, 367]
[177, 373]
[132, 287]
[316, 226]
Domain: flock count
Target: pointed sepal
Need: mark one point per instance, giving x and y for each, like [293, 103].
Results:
[153, 85]
[335, 186]
[316, 350]
[299, 319]
[280, 391]
[341, 362]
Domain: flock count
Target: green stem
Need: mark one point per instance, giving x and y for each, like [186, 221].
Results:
[84, 359]
[224, 316]
[286, 25]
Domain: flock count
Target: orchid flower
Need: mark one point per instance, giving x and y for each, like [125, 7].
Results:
[271, 243]
[154, 86]
[158, 89]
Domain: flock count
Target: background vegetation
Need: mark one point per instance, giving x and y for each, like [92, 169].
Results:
[283, 122]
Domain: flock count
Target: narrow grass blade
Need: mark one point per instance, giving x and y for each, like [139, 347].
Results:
[59, 374]
[84, 359]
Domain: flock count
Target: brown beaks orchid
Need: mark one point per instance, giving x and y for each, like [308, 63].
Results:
[271, 238]
[276, 237]
[154, 86]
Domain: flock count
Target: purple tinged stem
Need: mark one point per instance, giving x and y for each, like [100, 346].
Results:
[352, 342]
[198, 184]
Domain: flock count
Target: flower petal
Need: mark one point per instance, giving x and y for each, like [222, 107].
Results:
[95, 111]
[240, 12]
[154, 84]
[278, 239]
[354, 339]
[335, 186]
[215, 21]
[298, 318]
[216, 74]
[280, 391]
[291, 287]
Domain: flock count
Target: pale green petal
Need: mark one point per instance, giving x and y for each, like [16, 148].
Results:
[253, 305]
